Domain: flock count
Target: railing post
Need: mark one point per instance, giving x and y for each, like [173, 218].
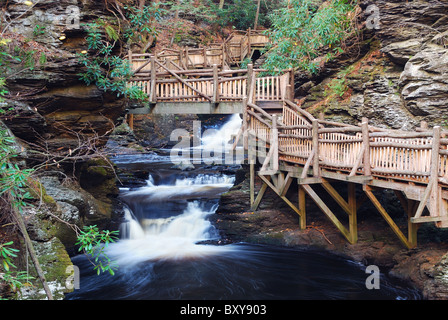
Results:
[274, 143]
[434, 176]
[250, 79]
[366, 142]
[315, 132]
[152, 93]
[224, 58]
[245, 124]
[215, 84]
[130, 58]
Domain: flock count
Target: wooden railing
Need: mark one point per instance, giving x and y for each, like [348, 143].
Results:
[163, 84]
[229, 53]
[357, 152]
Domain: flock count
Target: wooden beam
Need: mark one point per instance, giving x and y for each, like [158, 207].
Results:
[386, 216]
[260, 195]
[323, 207]
[366, 144]
[352, 215]
[315, 130]
[252, 182]
[336, 196]
[215, 84]
[288, 202]
[411, 206]
[152, 92]
[302, 207]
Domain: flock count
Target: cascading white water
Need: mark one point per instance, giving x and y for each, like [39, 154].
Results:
[131, 229]
[167, 238]
[218, 139]
[153, 238]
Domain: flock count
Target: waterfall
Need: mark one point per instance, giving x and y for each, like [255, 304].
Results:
[218, 139]
[130, 228]
[170, 218]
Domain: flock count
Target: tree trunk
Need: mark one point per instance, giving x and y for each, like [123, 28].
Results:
[257, 14]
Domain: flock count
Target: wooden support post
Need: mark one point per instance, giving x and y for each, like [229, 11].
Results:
[352, 217]
[152, 94]
[279, 193]
[434, 199]
[412, 227]
[252, 183]
[431, 193]
[348, 206]
[224, 58]
[205, 57]
[274, 143]
[366, 143]
[252, 153]
[250, 80]
[245, 125]
[409, 206]
[315, 134]
[130, 58]
[302, 207]
[256, 203]
[386, 216]
[131, 121]
[215, 99]
[324, 208]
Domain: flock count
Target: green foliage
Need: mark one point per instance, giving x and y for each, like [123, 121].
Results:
[6, 254]
[94, 242]
[104, 67]
[139, 26]
[39, 30]
[15, 279]
[301, 30]
[239, 14]
[13, 180]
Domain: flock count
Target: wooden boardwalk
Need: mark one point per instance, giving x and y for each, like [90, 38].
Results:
[208, 91]
[313, 151]
[292, 145]
[237, 47]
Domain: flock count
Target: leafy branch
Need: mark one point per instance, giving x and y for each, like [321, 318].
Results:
[301, 31]
[93, 243]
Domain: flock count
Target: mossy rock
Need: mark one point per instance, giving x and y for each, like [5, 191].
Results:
[56, 264]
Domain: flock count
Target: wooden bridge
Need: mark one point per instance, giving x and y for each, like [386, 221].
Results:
[291, 145]
[237, 47]
[208, 91]
[317, 152]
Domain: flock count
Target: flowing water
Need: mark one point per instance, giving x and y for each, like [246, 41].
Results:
[168, 249]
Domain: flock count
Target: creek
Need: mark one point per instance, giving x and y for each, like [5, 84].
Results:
[169, 250]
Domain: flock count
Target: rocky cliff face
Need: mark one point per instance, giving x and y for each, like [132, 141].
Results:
[397, 73]
[52, 106]
[52, 111]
